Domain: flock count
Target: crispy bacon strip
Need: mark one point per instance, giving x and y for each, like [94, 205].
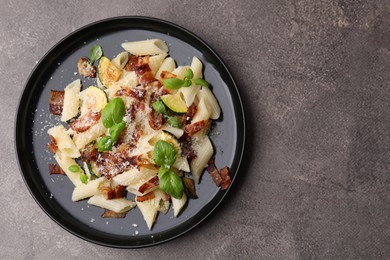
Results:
[147, 196]
[147, 78]
[140, 65]
[142, 69]
[134, 92]
[212, 169]
[156, 120]
[191, 111]
[150, 185]
[225, 175]
[55, 169]
[85, 122]
[90, 153]
[56, 102]
[112, 214]
[135, 62]
[85, 68]
[111, 164]
[115, 193]
[52, 145]
[192, 129]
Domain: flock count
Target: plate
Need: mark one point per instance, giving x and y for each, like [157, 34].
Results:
[58, 68]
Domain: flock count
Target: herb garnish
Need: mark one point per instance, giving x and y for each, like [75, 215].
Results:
[175, 83]
[165, 156]
[95, 53]
[75, 168]
[112, 118]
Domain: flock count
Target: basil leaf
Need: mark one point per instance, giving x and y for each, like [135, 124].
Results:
[173, 83]
[159, 107]
[115, 130]
[164, 154]
[163, 170]
[93, 175]
[84, 178]
[104, 144]
[174, 121]
[171, 184]
[113, 112]
[189, 74]
[201, 82]
[187, 83]
[74, 168]
[95, 53]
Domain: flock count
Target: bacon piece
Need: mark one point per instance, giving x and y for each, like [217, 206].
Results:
[189, 185]
[55, 169]
[212, 169]
[52, 145]
[191, 111]
[112, 214]
[225, 175]
[147, 78]
[147, 196]
[140, 65]
[142, 69]
[149, 185]
[114, 193]
[156, 120]
[85, 122]
[85, 68]
[56, 102]
[90, 153]
[192, 129]
[135, 62]
[110, 164]
[134, 92]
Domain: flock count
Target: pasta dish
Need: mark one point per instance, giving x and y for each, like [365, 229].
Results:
[139, 137]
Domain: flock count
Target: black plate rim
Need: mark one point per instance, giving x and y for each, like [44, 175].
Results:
[19, 133]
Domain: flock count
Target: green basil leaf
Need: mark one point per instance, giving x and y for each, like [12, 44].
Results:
[201, 82]
[164, 154]
[95, 53]
[113, 112]
[93, 175]
[163, 170]
[174, 121]
[104, 144]
[84, 178]
[159, 107]
[187, 83]
[189, 74]
[173, 83]
[74, 168]
[171, 184]
[115, 131]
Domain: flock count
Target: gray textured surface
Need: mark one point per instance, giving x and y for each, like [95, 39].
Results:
[314, 76]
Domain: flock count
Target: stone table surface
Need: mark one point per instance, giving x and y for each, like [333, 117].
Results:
[315, 80]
